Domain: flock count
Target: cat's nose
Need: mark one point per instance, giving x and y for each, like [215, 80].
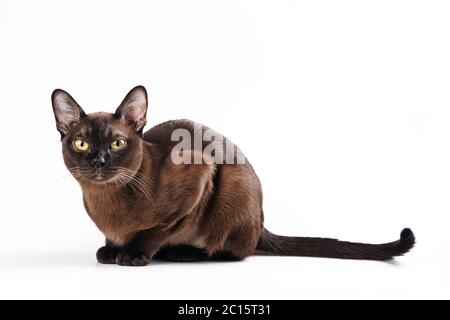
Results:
[98, 162]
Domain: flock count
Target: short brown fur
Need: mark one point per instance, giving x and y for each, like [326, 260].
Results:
[159, 209]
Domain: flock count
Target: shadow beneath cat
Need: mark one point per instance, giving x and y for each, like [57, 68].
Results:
[78, 259]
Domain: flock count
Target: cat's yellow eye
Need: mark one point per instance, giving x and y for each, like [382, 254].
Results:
[118, 144]
[81, 145]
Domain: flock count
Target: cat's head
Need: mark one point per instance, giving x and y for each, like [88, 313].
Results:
[101, 147]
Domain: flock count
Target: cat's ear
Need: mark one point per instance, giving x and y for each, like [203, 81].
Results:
[133, 109]
[66, 110]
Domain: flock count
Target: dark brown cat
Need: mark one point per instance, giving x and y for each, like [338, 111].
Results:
[150, 206]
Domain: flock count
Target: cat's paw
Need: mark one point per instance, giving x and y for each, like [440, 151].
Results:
[128, 258]
[107, 255]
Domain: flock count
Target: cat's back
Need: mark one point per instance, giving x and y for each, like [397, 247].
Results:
[162, 133]
[170, 133]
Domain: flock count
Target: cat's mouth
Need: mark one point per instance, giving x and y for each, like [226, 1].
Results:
[99, 176]
[102, 175]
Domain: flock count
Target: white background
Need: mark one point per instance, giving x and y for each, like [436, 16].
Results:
[343, 108]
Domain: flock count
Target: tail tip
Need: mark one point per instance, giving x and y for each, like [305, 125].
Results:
[407, 241]
[406, 234]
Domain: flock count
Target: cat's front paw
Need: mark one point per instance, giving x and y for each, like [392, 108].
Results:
[107, 255]
[129, 258]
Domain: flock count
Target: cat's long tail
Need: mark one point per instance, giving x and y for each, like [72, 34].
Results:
[332, 248]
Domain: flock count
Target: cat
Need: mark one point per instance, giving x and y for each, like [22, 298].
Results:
[149, 207]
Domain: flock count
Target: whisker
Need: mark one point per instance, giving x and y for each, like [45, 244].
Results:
[137, 183]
